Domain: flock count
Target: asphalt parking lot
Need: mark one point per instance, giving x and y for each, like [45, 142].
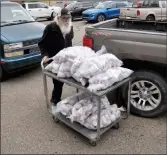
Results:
[27, 126]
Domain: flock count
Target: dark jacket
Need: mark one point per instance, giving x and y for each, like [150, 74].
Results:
[53, 41]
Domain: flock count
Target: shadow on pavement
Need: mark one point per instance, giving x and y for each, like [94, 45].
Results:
[22, 73]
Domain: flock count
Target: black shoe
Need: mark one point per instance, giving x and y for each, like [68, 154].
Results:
[54, 103]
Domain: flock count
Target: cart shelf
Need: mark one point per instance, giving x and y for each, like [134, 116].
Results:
[90, 134]
[72, 82]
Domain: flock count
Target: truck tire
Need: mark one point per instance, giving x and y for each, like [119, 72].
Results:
[101, 18]
[148, 94]
[150, 18]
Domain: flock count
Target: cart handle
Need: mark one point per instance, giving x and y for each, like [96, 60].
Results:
[42, 63]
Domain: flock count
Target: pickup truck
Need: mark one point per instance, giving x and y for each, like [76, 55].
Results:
[40, 10]
[19, 38]
[142, 46]
[150, 10]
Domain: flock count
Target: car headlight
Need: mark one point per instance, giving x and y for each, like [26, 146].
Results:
[13, 46]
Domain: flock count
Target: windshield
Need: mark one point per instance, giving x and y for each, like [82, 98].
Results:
[12, 13]
[103, 5]
[71, 5]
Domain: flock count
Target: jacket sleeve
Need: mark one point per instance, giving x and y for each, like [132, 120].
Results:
[43, 43]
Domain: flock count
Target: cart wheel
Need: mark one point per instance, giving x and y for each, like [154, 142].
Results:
[93, 143]
[116, 126]
[56, 120]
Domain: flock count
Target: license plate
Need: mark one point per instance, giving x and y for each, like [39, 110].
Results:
[14, 54]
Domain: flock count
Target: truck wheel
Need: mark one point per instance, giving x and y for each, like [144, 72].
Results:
[148, 94]
[100, 18]
[150, 18]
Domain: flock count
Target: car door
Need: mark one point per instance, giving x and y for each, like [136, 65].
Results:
[44, 10]
[112, 10]
[163, 10]
[78, 10]
[32, 8]
[155, 8]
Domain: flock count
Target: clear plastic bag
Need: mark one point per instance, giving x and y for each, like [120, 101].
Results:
[106, 79]
[102, 51]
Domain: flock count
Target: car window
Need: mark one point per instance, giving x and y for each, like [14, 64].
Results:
[120, 5]
[79, 5]
[87, 5]
[14, 13]
[146, 3]
[71, 5]
[164, 4]
[103, 5]
[40, 5]
[113, 5]
[23, 5]
[32, 6]
[154, 3]
[151, 3]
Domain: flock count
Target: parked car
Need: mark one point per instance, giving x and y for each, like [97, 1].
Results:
[40, 10]
[150, 10]
[104, 10]
[19, 39]
[76, 8]
[141, 45]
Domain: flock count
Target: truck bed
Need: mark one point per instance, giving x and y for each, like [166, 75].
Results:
[131, 39]
[160, 26]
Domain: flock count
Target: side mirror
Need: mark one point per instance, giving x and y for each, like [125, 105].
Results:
[108, 8]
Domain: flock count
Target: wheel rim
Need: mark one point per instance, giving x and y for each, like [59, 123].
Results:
[150, 18]
[145, 95]
[101, 18]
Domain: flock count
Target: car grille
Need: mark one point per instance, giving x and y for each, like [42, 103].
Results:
[30, 42]
[32, 50]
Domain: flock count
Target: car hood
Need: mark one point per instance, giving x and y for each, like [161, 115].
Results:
[90, 11]
[22, 32]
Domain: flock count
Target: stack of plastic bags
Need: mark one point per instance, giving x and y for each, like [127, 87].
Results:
[63, 61]
[100, 70]
[82, 108]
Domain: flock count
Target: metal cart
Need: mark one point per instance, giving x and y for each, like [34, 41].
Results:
[92, 135]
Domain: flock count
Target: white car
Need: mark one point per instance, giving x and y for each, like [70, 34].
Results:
[151, 10]
[41, 10]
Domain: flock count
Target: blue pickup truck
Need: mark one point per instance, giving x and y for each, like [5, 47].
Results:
[105, 10]
[20, 34]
